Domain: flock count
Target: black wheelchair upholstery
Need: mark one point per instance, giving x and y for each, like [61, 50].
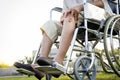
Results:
[113, 6]
[91, 36]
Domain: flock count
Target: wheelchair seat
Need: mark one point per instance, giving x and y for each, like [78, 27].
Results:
[92, 36]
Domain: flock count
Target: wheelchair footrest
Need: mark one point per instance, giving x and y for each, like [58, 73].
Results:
[49, 69]
[26, 72]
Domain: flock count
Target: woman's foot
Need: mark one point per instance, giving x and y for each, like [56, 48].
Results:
[28, 67]
[43, 61]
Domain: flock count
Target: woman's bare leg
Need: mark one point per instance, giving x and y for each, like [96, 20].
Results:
[46, 45]
[66, 37]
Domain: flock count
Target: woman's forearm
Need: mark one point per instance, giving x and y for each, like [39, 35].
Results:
[98, 3]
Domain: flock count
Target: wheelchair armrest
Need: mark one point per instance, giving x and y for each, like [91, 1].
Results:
[57, 9]
[94, 12]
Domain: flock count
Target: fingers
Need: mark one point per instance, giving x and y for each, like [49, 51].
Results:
[75, 14]
[67, 13]
[70, 15]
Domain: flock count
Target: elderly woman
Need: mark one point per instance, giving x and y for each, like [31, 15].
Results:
[65, 27]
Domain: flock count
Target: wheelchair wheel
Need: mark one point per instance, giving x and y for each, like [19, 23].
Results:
[112, 42]
[81, 71]
[105, 66]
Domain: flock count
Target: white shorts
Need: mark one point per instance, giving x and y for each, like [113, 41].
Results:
[53, 29]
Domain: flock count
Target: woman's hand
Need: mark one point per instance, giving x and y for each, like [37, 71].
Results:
[64, 15]
[71, 12]
[75, 14]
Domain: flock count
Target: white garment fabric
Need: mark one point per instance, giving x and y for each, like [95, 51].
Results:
[67, 4]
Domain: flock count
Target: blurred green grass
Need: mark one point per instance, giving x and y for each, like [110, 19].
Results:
[100, 76]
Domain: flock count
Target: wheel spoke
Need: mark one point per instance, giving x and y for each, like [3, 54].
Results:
[81, 69]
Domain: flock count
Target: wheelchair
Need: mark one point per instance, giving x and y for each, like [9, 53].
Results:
[94, 30]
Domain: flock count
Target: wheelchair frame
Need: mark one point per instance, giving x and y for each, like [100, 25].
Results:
[85, 63]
